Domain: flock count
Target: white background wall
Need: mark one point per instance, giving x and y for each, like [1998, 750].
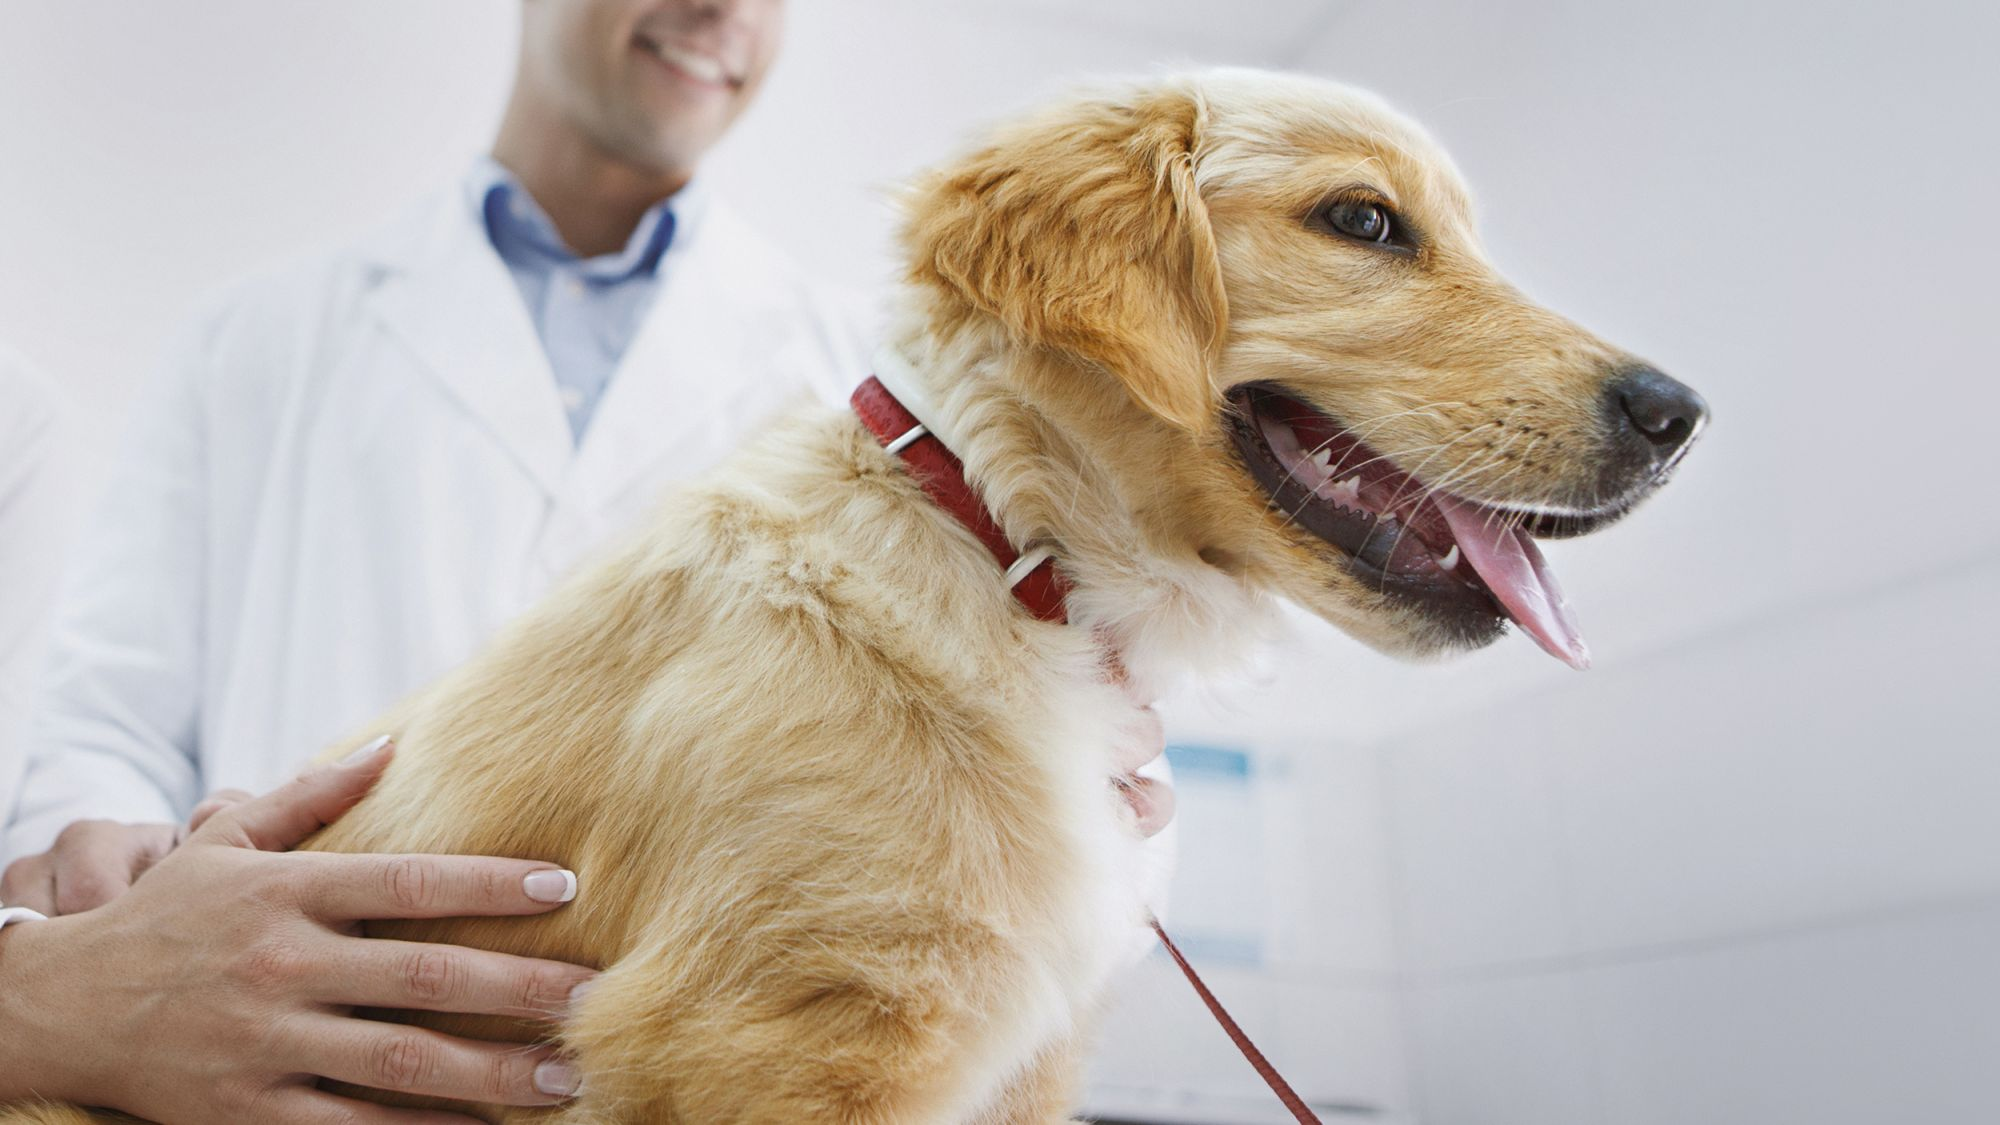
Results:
[1747, 870]
[1744, 871]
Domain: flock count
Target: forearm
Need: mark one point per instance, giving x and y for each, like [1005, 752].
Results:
[117, 701]
[35, 506]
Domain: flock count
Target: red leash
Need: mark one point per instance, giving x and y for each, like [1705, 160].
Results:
[1041, 590]
[1258, 1062]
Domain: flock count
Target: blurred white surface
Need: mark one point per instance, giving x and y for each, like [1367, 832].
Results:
[1739, 873]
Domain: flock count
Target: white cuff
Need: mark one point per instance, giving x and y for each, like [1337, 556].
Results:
[20, 914]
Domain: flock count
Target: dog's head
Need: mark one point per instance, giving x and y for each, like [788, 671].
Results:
[1258, 306]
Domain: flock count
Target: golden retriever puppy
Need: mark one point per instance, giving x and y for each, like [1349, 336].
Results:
[843, 808]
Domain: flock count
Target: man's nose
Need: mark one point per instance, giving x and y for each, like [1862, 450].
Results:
[1656, 416]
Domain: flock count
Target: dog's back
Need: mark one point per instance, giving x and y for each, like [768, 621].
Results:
[810, 767]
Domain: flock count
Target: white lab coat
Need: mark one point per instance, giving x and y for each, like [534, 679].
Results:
[34, 504]
[352, 472]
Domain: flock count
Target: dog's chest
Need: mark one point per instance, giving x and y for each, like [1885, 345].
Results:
[1099, 892]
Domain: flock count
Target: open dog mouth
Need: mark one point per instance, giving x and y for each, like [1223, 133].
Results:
[1468, 565]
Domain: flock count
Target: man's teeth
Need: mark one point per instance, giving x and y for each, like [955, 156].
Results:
[704, 67]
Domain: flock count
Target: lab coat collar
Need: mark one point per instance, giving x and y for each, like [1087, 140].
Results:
[687, 361]
[446, 296]
[520, 230]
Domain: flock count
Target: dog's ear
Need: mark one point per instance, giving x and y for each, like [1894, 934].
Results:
[1083, 231]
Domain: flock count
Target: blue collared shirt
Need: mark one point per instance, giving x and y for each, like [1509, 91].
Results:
[586, 311]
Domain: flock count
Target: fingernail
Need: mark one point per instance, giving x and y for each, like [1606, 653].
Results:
[577, 994]
[550, 886]
[558, 1078]
[366, 752]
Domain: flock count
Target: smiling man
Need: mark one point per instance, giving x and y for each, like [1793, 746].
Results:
[346, 478]
[615, 103]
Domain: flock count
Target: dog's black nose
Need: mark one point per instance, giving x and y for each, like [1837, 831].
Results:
[1664, 412]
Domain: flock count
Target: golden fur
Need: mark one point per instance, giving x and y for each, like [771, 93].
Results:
[837, 805]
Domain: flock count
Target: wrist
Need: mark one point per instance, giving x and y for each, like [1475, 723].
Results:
[39, 1058]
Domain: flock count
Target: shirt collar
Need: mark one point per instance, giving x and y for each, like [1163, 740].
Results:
[521, 232]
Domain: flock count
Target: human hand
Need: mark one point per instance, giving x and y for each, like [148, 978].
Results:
[91, 863]
[216, 988]
[95, 861]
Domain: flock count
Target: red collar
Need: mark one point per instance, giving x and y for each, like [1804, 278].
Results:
[1032, 577]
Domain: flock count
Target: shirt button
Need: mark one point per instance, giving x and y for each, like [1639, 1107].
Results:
[572, 399]
[573, 286]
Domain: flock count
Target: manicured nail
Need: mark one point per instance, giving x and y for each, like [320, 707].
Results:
[366, 752]
[550, 886]
[577, 994]
[558, 1077]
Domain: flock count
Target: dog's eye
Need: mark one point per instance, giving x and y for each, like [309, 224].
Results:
[1361, 220]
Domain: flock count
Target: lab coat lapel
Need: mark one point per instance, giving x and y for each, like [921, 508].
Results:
[662, 397]
[449, 300]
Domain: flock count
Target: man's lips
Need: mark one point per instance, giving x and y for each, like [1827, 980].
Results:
[696, 64]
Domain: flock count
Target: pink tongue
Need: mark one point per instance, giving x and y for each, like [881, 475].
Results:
[1513, 568]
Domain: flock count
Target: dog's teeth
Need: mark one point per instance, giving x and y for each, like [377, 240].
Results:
[1324, 459]
[1349, 489]
[1450, 559]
